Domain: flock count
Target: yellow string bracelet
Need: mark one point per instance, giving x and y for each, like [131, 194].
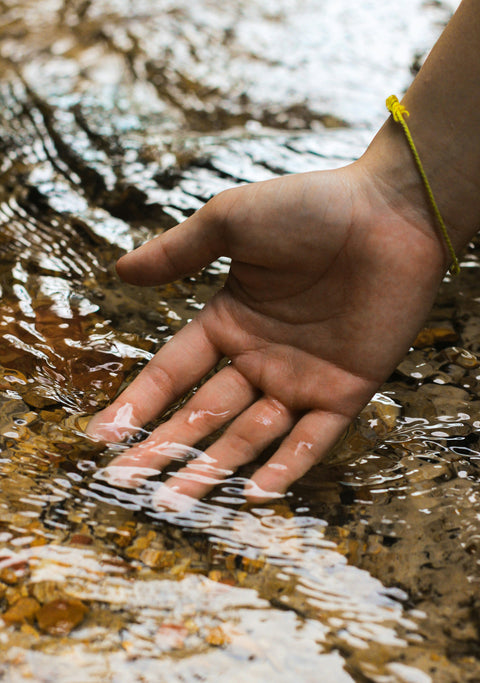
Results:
[398, 112]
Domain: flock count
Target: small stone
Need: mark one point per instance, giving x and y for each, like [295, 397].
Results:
[9, 576]
[52, 415]
[217, 636]
[124, 534]
[46, 591]
[29, 630]
[23, 610]
[152, 557]
[215, 575]
[435, 335]
[381, 414]
[253, 565]
[81, 539]
[60, 616]
[462, 357]
[180, 569]
[9, 378]
[140, 544]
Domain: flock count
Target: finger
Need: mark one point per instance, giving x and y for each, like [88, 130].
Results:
[242, 442]
[184, 249]
[311, 439]
[217, 402]
[178, 366]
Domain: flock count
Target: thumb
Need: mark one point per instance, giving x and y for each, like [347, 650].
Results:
[184, 249]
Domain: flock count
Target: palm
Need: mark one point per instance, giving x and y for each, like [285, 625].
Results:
[320, 304]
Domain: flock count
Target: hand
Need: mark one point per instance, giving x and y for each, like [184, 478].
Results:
[330, 281]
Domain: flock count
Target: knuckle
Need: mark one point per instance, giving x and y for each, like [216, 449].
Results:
[241, 445]
[161, 381]
[277, 409]
[214, 208]
[273, 413]
[219, 208]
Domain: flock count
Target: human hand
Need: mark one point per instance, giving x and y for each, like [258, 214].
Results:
[330, 281]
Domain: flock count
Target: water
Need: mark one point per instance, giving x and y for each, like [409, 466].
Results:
[117, 120]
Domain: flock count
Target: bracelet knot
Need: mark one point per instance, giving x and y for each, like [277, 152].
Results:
[397, 110]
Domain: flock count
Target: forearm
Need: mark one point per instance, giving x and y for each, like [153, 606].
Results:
[444, 106]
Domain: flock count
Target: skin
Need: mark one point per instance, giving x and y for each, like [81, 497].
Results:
[332, 276]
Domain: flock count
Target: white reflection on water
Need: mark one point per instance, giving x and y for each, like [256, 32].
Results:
[296, 545]
[338, 599]
[262, 642]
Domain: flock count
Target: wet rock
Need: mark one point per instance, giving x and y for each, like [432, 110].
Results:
[381, 414]
[81, 539]
[24, 610]
[46, 591]
[153, 557]
[217, 637]
[9, 576]
[60, 616]
[433, 336]
[140, 544]
[462, 357]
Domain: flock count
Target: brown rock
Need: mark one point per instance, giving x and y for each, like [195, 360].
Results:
[462, 357]
[46, 591]
[81, 539]
[430, 336]
[217, 636]
[23, 610]
[152, 557]
[8, 575]
[60, 616]
[140, 544]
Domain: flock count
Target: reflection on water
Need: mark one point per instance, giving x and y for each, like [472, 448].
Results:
[117, 121]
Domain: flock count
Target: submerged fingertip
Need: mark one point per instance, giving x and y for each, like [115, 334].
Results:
[255, 493]
[91, 429]
[113, 424]
[169, 498]
[103, 432]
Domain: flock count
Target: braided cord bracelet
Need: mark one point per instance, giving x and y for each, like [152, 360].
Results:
[398, 112]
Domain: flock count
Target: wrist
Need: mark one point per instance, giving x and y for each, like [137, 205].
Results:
[444, 106]
[390, 162]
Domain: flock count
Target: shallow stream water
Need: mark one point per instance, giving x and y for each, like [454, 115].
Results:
[117, 120]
